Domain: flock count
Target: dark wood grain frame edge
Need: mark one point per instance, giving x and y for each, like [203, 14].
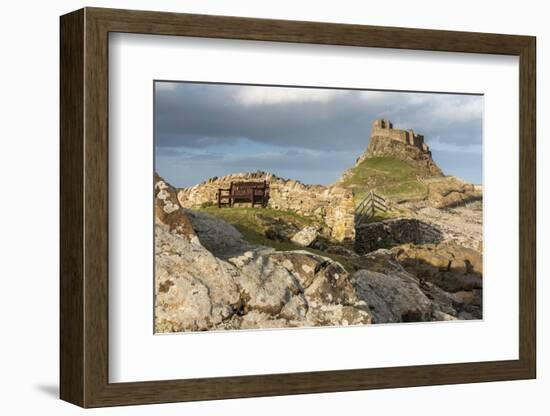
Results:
[72, 368]
[84, 207]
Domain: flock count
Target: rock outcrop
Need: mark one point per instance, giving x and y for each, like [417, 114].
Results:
[394, 293]
[260, 288]
[394, 297]
[450, 266]
[207, 277]
[383, 147]
[393, 232]
[450, 191]
[385, 141]
[305, 236]
[461, 224]
[217, 236]
[168, 212]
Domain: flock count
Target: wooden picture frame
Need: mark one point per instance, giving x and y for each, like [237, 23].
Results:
[84, 207]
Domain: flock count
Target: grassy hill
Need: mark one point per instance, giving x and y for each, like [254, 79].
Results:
[391, 178]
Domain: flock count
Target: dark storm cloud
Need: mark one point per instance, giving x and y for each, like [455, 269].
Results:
[313, 135]
[204, 115]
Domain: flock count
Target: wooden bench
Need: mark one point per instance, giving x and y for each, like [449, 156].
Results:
[257, 193]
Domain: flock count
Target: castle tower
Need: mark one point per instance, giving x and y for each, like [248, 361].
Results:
[382, 124]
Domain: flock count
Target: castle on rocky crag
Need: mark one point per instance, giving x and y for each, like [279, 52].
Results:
[406, 145]
[384, 128]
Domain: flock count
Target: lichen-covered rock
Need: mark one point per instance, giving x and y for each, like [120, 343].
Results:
[216, 235]
[394, 297]
[305, 236]
[462, 225]
[165, 195]
[257, 320]
[295, 309]
[331, 285]
[451, 191]
[194, 290]
[168, 210]
[322, 315]
[445, 299]
[449, 266]
[303, 265]
[265, 285]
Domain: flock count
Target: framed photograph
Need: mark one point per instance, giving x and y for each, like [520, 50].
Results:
[255, 207]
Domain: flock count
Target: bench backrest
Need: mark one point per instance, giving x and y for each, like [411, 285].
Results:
[247, 188]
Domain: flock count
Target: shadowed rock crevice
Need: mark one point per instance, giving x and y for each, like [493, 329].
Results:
[398, 287]
[394, 232]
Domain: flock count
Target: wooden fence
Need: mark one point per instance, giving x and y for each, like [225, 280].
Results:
[368, 207]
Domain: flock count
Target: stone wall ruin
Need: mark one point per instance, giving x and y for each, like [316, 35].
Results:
[333, 205]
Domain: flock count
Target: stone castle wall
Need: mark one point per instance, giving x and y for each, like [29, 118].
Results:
[333, 205]
[384, 128]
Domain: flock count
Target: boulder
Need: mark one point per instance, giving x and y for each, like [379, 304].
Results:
[331, 286]
[216, 235]
[305, 236]
[265, 285]
[393, 297]
[448, 265]
[168, 210]
[193, 289]
[303, 265]
[392, 264]
[165, 195]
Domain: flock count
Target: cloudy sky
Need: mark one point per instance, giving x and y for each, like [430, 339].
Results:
[309, 134]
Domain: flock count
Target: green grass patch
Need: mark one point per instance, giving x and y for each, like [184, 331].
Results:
[404, 190]
[252, 224]
[391, 178]
[252, 217]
